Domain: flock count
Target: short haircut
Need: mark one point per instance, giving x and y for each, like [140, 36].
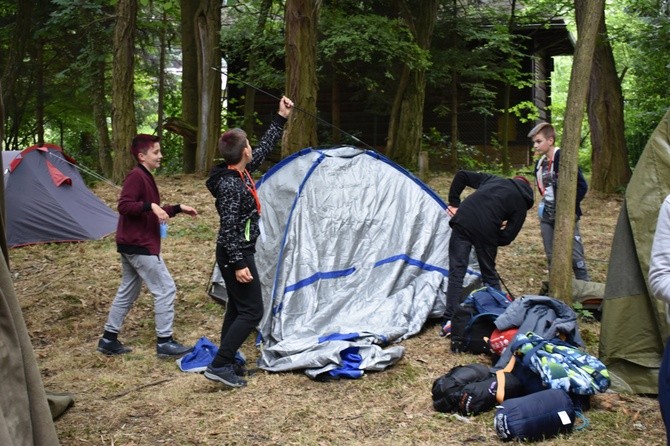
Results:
[546, 129]
[231, 144]
[142, 143]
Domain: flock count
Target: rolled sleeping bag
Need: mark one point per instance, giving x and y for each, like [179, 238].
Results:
[535, 416]
[447, 388]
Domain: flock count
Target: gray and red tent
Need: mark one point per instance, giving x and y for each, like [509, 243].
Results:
[47, 201]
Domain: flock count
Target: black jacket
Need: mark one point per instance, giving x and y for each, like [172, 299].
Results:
[236, 205]
[496, 200]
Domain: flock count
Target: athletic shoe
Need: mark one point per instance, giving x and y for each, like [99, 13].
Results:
[112, 347]
[171, 349]
[225, 375]
[445, 331]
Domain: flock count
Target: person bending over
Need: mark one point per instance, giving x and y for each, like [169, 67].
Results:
[490, 217]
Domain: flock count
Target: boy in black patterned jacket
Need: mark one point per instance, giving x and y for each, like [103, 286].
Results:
[239, 212]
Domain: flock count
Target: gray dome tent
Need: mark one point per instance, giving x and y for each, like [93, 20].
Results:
[46, 200]
[353, 256]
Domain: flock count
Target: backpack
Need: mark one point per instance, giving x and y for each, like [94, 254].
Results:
[470, 330]
[474, 320]
[561, 365]
[488, 300]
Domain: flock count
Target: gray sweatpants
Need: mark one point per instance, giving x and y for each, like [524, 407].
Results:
[578, 261]
[152, 271]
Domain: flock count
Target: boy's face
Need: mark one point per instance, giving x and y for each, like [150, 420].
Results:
[541, 144]
[152, 159]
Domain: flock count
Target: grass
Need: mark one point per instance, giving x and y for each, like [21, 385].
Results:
[65, 291]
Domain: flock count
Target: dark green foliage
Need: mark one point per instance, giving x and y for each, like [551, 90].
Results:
[362, 44]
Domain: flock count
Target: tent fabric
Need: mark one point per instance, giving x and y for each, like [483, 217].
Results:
[352, 257]
[47, 200]
[25, 416]
[634, 326]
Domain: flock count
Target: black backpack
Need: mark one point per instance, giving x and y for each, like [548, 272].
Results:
[470, 330]
[474, 320]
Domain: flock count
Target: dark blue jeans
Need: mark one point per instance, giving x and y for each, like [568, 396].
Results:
[460, 246]
[664, 389]
[244, 309]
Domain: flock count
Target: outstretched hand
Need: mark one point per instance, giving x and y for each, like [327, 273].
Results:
[189, 210]
[285, 106]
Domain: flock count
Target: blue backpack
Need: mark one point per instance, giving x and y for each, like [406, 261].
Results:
[488, 300]
[473, 320]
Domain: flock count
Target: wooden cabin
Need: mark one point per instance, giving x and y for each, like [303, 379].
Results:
[370, 124]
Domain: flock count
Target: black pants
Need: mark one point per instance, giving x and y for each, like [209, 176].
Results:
[460, 246]
[664, 389]
[244, 309]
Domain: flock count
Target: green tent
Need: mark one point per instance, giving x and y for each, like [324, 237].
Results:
[634, 325]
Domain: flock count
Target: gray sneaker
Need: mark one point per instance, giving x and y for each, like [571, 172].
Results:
[171, 349]
[225, 375]
[111, 347]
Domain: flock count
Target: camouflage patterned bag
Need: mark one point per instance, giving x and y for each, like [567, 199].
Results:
[561, 365]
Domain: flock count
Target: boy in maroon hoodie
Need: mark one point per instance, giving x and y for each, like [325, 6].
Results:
[138, 240]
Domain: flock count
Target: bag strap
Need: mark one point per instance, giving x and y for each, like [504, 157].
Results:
[500, 376]
[500, 391]
[477, 316]
[537, 344]
[585, 421]
[532, 352]
[498, 296]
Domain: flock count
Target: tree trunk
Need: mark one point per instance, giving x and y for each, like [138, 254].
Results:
[98, 83]
[336, 111]
[610, 170]
[189, 81]
[3, 242]
[406, 121]
[302, 18]
[21, 30]
[511, 25]
[39, 92]
[560, 276]
[21, 37]
[124, 126]
[453, 152]
[161, 74]
[504, 144]
[208, 27]
[250, 93]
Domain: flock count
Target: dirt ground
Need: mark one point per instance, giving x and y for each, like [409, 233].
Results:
[66, 289]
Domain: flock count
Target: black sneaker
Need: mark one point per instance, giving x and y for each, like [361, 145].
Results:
[225, 375]
[240, 370]
[111, 347]
[171, 349]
